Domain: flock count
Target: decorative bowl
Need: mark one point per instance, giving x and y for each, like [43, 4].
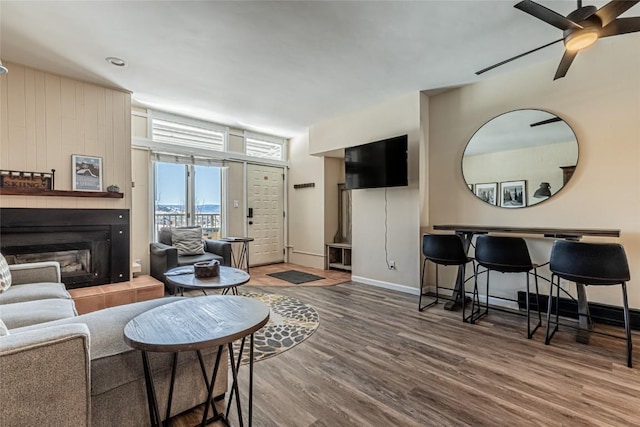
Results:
[205, 269]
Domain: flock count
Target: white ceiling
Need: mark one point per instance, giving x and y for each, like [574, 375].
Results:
[274, 67]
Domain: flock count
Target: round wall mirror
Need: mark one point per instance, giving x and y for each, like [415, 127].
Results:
[520, 158]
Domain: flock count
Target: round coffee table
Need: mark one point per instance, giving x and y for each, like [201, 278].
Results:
[206, 322]
[229, 279]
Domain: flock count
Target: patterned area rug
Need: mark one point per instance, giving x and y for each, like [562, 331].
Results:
[295, 277]
[291, 321]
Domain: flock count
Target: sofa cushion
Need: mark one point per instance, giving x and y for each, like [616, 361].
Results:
[33, 292]
[5, 274]
[192, 259]
[28, 313]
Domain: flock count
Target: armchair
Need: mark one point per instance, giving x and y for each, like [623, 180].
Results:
[164, 255]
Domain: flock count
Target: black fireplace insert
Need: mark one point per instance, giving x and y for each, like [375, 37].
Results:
[91, 245]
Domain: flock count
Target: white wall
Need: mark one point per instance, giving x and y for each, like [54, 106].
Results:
[45, 118]
[306, 213]
[395, 117]
[600, 99]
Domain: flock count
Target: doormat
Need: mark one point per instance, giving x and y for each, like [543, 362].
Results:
[291, 321]
[296, 277]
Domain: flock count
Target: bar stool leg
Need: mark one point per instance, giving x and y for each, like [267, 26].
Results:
[529, 331]
[627, 326]
[548, 336]
[528, 312]
[464, 292]
[420, 306]
[474, 296]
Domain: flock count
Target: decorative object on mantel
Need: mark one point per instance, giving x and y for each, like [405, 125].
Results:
[31, 180]
[87, 172]
[543, 191]
[581, 28]
[307, 185]
[113, 188]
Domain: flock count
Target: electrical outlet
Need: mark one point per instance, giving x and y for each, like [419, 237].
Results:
[392, 265]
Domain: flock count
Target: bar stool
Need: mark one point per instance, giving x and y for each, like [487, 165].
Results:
[442, 249]
[591, 264]
[506, 255]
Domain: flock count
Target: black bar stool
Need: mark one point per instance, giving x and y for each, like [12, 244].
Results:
[506, 255]
[442, 249]
[591, 264]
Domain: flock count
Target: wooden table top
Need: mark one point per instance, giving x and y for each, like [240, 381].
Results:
[228, 278]
[547, 232]
[196, 323]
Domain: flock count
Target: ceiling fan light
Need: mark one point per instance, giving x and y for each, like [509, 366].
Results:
[581, 39]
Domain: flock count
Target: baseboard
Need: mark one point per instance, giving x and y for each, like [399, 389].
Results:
[600, 313]
[386, 285]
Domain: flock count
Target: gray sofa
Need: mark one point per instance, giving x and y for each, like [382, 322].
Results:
[57, 368]
[164, 256]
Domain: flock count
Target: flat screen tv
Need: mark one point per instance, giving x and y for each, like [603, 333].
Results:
[377, 164]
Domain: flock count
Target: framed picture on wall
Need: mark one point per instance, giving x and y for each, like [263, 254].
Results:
[86, 172]
[488, 192]
[513, 194]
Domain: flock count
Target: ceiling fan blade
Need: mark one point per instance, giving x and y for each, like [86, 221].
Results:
[484, 70]
[546, 122]
[613, 9]
[565, 63]
[547, 15]
[621, 26]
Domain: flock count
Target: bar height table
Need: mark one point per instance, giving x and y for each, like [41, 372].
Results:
[466, 232]
[205, 322]
[241, 259]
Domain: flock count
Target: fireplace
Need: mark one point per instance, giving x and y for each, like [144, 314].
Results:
[91, 245]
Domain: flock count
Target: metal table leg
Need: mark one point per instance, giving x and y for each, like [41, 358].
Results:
[584, 318]
[458, 290]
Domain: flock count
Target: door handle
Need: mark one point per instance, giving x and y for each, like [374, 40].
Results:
[250, 214]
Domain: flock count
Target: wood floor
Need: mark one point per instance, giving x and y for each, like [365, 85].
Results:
[376, 361]
[260, 275]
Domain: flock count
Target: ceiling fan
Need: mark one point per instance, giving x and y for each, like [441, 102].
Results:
[581, 28]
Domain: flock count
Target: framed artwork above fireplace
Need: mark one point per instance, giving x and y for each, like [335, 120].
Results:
[86, 172]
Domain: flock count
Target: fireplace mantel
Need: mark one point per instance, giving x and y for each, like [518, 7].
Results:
[9, 191]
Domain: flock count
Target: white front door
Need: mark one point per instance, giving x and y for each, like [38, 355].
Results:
[265, 219]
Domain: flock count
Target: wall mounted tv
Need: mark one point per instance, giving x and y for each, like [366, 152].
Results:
[377, 164]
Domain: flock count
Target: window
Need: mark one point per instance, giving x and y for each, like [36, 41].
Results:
[185, 132]
[187, 195]
[264, 147]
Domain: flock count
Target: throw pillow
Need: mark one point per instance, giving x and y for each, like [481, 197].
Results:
[5, 274]
[3, 329]
[188, 241]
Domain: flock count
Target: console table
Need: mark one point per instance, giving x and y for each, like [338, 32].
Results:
[466, 232]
